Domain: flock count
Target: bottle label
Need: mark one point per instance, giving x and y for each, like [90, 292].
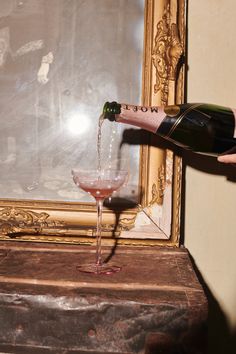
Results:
[148, 118]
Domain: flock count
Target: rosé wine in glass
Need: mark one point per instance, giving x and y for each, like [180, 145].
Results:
[100, 184]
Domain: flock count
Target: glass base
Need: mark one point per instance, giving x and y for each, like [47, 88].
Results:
[98, 269]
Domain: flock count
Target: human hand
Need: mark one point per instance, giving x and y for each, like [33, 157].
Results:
[231, 158]
[42, 75]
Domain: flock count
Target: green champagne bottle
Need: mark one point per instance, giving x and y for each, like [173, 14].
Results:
[200, 127]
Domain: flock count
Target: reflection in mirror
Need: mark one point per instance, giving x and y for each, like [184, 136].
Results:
[60, 60]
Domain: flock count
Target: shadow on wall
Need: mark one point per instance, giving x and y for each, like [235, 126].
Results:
[221, 339]
[209, 165]
[203, 163]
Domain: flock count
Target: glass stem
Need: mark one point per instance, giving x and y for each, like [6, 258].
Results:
[99, 203]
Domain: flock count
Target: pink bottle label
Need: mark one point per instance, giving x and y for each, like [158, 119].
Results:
[148, 118]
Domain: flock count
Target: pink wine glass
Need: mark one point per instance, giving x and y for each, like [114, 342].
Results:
[100, 184]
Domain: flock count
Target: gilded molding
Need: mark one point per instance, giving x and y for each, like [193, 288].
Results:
[166, 53]
[177, 200]
[126, 224]
[15, 220]
[158, 188]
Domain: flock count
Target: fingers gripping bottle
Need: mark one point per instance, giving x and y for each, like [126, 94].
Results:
[201, 127]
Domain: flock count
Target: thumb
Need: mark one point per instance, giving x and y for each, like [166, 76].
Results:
[227, 158]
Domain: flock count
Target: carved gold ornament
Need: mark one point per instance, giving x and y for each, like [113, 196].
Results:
[166, 53]
[15, 220]
[158, 188]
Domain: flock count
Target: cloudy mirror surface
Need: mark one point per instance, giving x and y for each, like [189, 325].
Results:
[60, 61]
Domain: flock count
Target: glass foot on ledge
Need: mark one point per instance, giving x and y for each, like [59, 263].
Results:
[98, 269]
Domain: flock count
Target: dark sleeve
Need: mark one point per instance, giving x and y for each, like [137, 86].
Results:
[52, 18]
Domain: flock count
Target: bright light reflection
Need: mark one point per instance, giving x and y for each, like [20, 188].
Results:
[78, 123]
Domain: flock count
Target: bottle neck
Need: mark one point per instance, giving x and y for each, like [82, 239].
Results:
[110, 110]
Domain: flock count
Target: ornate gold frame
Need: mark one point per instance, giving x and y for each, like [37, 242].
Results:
[163, 83]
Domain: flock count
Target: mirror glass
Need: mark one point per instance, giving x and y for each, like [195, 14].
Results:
[60, 61]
